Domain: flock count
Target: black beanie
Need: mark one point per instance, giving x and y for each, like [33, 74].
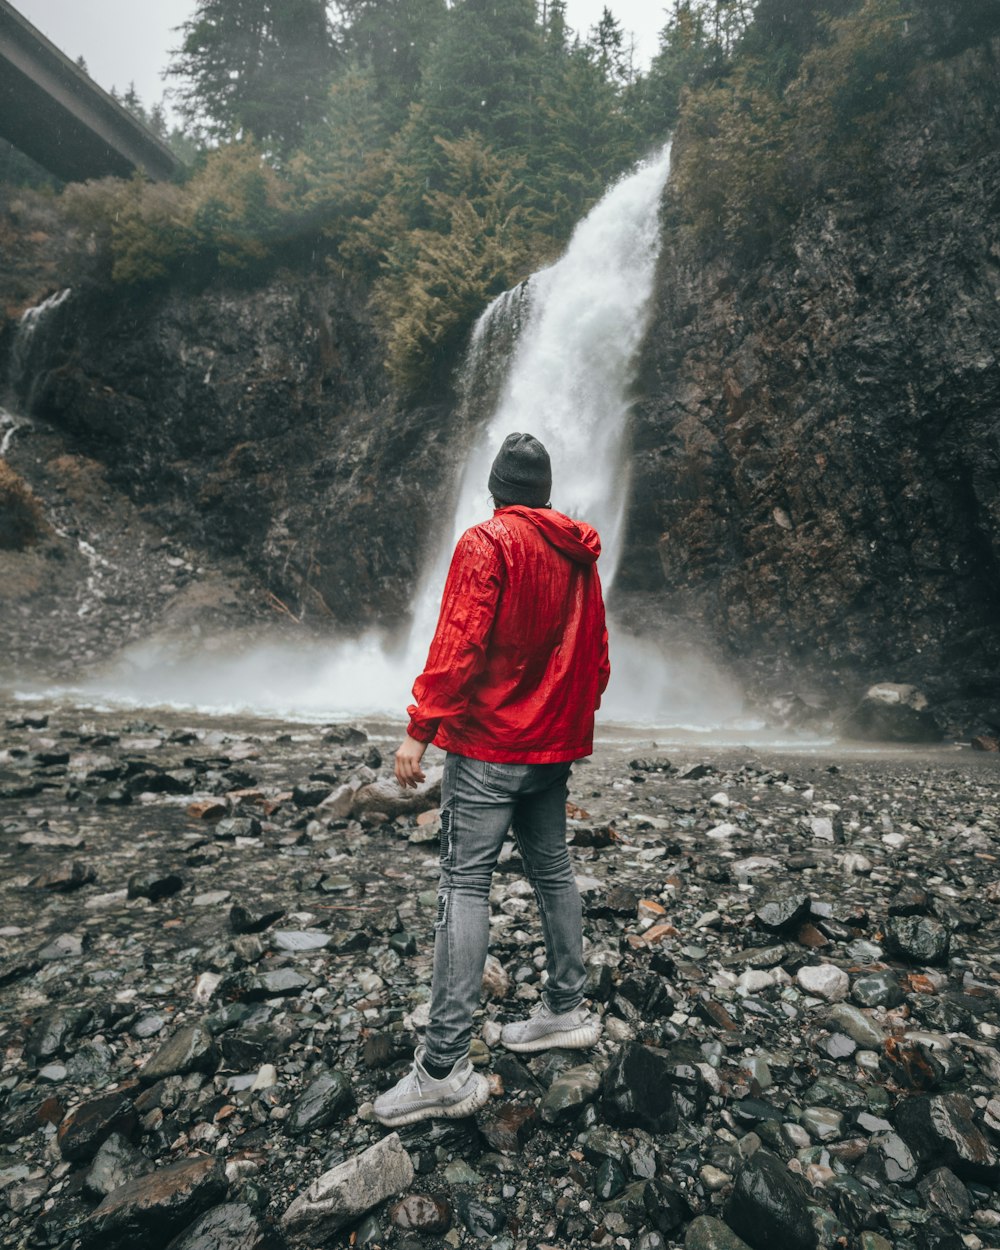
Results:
[522, 472]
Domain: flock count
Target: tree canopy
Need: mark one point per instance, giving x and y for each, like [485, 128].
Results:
[439, 152]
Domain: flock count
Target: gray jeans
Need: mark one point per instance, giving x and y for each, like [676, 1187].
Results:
[480, 802]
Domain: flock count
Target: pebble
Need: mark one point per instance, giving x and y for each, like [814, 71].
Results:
[296, 951]
[825, 981]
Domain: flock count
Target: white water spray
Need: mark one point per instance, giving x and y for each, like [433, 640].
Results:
[575, 328]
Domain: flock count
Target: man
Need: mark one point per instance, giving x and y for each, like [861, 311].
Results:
[517, 667]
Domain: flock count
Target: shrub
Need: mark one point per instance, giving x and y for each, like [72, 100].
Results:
[22, 518]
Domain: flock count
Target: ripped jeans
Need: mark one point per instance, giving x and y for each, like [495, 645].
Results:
[480, 803]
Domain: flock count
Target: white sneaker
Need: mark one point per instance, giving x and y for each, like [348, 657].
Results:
[418, 1096]
[544, 1030]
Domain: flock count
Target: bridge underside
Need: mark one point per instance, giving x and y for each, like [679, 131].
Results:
[54, 113]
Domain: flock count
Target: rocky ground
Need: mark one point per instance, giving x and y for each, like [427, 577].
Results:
[215, 951]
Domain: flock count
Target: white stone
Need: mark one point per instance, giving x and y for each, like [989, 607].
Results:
[854, 862]
[266, 1077]
[205, 986]
[754, 864]
[720, 800]
[753, 980]
[825, 981]
[350, 1189]
[721, 832]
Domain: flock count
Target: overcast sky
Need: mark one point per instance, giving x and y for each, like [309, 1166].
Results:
[127, 41]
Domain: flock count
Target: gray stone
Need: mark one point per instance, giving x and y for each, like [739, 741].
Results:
[877, 989]
[822, 1123]
[568, 1093]
[856, 1025]
[192, 1049]
[320, 1104]
[350, 1189]
[116, 1162]
[917, 939]
[708, 1233]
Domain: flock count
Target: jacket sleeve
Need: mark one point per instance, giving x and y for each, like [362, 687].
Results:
[603, 663]
[458, 651]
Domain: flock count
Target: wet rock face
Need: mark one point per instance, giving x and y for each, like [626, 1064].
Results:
[809, 483]
[783, 1058]
[270, 409]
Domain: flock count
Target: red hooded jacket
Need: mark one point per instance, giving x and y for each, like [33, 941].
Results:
[519, 659]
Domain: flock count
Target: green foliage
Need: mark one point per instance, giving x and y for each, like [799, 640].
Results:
[225, 217]
[392, 39]
[752, 149]
[22, 518]
[438, 278]
[255, 68]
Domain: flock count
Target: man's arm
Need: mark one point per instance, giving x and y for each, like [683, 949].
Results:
[458, 651]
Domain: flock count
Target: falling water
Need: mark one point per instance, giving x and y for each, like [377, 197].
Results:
[553, 357]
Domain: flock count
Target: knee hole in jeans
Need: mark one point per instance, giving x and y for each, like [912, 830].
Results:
[441, 919]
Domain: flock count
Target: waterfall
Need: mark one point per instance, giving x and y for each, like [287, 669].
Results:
[552, 357]
[31, 321]
[574, 329]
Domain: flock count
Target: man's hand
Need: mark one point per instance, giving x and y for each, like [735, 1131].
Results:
[408, 757]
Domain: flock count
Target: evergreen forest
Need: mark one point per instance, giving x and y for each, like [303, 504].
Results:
[438, 153]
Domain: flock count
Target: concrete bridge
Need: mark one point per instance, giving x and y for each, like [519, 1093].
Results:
[57, 115]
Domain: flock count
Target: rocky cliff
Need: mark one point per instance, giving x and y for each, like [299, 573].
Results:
[815, 441]
[817, 450]
[253, 426]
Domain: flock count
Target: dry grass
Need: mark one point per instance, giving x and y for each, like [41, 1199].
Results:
[22, 518]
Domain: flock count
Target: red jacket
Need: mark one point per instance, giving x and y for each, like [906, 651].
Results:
[519, 660]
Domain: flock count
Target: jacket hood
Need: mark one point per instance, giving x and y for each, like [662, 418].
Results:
[575, 539]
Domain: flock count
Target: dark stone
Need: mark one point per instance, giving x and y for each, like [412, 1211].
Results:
[88, 1126]
[481, 1219]
[511, 1128]
[256, 986]
[940, 1129]
[890, 712]
[320, 1104]
[48, 1037]
[232, 1226]
[517, 1079]
[610, 1180]
[768, 1206]
[909, 901]
[877, 989]
[943, 1192]
[192, 1049]
[243, 920]
[918, 939]
[154, 885]
[150, 1210]
[666, 1207]
[310, 793]
[66, 878]
[344, 735]
[650, 1089]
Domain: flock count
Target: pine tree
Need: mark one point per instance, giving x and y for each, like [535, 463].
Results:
[482, 75]
[255, 67]
[392, 38]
